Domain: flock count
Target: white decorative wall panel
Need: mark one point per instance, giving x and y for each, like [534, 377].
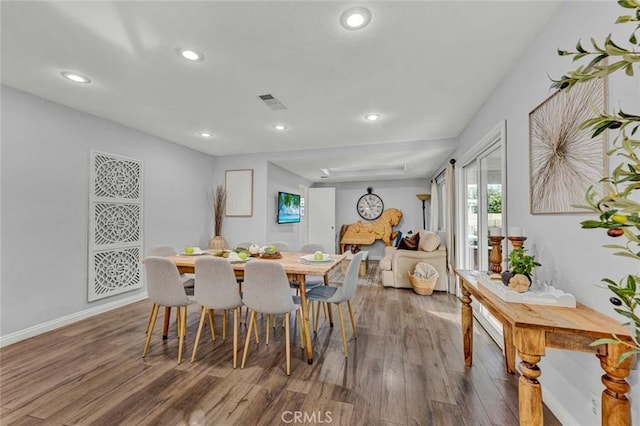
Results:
[115, 230]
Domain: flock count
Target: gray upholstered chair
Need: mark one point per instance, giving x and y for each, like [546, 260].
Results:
[216, 288]
[339, 295]
[266, 290]
[165, 288]
[310, 281]
[244, 244]
[187, 279]
[281, 246]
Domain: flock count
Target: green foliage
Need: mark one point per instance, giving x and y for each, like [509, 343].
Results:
[520, 262]
[494, 202]
[617, 209]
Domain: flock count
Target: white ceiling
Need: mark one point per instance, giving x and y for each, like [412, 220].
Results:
[426, 66]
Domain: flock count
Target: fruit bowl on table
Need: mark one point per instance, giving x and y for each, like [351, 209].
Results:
[276, 255]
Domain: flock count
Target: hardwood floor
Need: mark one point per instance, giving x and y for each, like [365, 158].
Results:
[405, 368]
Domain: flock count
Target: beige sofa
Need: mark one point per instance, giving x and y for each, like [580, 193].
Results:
[397, 262]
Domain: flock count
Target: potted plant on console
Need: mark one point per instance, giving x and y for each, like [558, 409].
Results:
[522, 265]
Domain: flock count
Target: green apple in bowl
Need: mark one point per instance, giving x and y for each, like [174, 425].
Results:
[318, 256]
[244, 255]
[188, 250]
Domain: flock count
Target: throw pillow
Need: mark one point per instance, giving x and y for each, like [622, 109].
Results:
[429, 241]
[410, 243]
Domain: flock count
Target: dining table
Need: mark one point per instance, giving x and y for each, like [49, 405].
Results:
[296, 265]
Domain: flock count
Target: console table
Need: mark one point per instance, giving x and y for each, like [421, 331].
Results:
[530, 329]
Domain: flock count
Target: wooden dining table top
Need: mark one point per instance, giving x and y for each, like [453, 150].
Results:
[291, 262]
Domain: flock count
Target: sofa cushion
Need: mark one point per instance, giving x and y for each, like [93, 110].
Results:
[410, 243]
[429, 241]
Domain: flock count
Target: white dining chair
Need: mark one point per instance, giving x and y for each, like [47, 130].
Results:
[311, 281]
[266, 290]
[216, 288]
[188, 281]
[165, 288]
[338, 296]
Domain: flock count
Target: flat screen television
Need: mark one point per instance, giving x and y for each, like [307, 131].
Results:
[288, 207]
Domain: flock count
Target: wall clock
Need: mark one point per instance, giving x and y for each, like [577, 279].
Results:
[370, 206]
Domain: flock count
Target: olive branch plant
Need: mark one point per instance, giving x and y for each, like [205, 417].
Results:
[617, 207]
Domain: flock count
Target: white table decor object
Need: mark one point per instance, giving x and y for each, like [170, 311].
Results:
[538, 294]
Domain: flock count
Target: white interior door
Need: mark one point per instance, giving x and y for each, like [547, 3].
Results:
[321, 217]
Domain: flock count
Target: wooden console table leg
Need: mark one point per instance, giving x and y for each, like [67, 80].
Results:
[615, 405]
[530, 344]
[467, 327]
[509, 349]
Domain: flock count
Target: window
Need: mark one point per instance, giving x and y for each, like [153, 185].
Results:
[482, 206]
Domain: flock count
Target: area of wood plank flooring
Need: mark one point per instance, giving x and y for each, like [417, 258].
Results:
[405, 368]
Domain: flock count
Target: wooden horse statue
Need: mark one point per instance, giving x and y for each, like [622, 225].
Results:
[368, 232]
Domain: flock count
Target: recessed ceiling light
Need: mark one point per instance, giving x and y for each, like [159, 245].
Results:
[191, 55]
[75, 77]
[355, 18]
[280, 127]
[205, 134]
[372, 117]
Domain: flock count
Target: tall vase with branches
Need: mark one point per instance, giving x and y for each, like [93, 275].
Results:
[217, 200]
[617, 206]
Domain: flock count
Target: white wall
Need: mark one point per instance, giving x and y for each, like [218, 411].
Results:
[253, 228]
[572, 258]
[45, 204]
[400, 194]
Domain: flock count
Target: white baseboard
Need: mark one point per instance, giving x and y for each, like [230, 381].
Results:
[556, 408]
[35, 330]
[548, 397]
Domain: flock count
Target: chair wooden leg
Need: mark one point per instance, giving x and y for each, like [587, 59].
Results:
[154, 316]
[353, 323]
[212, 324]
[235, 337]
[224, 325]
[317, 317]
[165, 327]
[330, 312]
[182, 327]
[255, 329]
[200, 327]
[248, 339]
[267, 329]
[300, 327]
[287, 338]
[146, 331]
[344, 335]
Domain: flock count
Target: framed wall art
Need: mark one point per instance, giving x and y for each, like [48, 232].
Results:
[564, 161]
[239, 188]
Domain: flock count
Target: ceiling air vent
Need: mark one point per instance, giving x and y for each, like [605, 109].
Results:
[272, 102]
